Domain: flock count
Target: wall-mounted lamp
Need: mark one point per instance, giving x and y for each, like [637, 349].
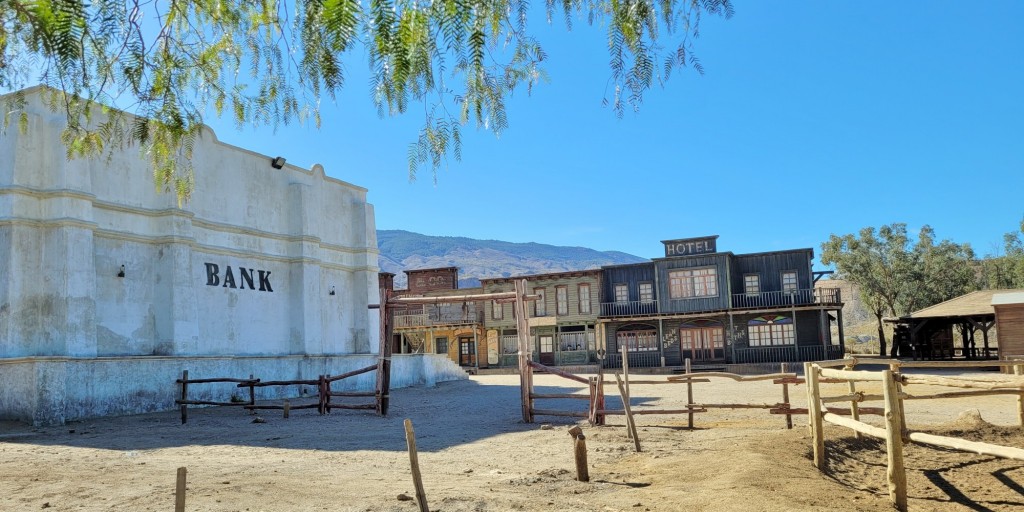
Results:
[332, 291]
[120, 273]
[277, 162]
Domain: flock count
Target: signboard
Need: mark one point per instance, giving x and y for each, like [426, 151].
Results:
[690, 246]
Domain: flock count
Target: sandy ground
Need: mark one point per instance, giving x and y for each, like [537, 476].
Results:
[476, 454]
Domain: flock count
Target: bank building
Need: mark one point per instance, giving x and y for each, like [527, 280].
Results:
[109, 288]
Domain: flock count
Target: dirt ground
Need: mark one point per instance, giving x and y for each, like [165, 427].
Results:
[476, 454]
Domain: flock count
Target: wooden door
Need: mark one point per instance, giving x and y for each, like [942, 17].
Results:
[467, 352]
[547, 349]
[702, 343]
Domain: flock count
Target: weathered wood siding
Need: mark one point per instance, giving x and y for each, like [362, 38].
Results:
[629, 275]
[1010, 329]
[770, 266]
[720, 302]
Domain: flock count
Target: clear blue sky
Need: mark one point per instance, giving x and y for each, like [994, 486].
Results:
[812, 118]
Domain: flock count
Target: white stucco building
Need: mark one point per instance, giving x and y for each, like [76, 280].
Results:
[109, 289]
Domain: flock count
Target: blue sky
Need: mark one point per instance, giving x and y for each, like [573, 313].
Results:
[812, 118]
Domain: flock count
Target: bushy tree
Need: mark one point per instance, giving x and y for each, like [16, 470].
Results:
[269, 62]
[896, 277]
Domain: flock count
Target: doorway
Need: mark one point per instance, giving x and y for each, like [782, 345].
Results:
[467, 352]
[702, 343]
[547, 349]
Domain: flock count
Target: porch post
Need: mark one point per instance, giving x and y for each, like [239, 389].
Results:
[796, 333]
[732, 338]
[839, 322]
[661, 342]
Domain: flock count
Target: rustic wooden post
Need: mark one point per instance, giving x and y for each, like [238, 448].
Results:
[252, 394]
[600, 395]
[387, 318]
[854, 406]
[898, 382]
[807, 384]
[184, 396]
[625, 365]
[814, 412]
[525, 370]
[179, 491]
[689, 394]
[580, 453]
[785, 397]
[287, 407]
[629, 413]
[592, 413]
[414, 462]
[895, 473]
[1018, 370]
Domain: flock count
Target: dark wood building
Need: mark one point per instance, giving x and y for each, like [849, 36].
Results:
[718, 307]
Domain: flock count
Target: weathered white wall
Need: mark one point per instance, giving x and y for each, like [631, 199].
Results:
[67, 227]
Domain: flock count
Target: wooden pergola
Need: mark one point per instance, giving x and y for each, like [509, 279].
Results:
[929, 331]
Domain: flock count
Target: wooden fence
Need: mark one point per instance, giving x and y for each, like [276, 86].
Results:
[323, 403]
[895, 432]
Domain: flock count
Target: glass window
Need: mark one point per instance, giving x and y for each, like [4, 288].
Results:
[562, 300]
[584, 296]
[752, 284]
[693, 282]
[638, 341]
[646, 292]
[441, 345]
[621, 293]
[496, 310]
[540, 306]
[771, 331]
[789, 281]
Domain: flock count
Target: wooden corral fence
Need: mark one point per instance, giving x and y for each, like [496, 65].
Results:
[322, 383]
[895, 432]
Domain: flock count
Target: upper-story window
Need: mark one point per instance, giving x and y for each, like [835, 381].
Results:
[646, 292]
[693, 282]
[621, 293]
[789, 281]
[540, 307]
[752, 284]
[496, 310]
[584, 296]
[562, 300]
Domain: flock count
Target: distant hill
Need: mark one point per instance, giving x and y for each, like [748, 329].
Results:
[476, 259]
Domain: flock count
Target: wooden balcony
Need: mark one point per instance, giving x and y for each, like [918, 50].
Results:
[806, 297]
[631, 308]
[435, 318]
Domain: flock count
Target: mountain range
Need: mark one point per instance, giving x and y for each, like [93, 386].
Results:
[476, 259]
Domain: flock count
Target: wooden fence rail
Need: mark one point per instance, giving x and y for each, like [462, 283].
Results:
[322, 384]
[895, 432]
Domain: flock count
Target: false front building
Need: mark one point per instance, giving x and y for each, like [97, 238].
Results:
[718, 307]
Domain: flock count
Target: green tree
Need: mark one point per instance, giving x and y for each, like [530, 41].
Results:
[270, 62]
[895, 277]
[1005, 270]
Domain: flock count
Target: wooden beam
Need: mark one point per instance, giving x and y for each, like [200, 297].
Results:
[896, 474]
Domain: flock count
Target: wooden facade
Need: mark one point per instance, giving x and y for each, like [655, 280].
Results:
[718, 307]
[1009, 310]
[562, 322]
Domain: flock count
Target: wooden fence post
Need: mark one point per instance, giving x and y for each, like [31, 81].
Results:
[287, 407]
[252, 394]
[600, 395]
[689, 394]
[854, 406]
[625, 365]
[807, 384]
[580, 453]
[184, 396]
[1018, 370]
[179, 490]
[414, 462]
[898, 383]
[895, 473]
[629, 413]
[814, 412]
[785, 397]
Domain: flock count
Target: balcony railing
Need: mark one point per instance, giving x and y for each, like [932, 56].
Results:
[631, 308]
[644, 359]
[785, 354]
[439, 318]
[805, 297]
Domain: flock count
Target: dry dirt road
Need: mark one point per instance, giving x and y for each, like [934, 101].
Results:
[476, 454]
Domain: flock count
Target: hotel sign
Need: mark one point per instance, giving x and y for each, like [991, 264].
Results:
[690, 246]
